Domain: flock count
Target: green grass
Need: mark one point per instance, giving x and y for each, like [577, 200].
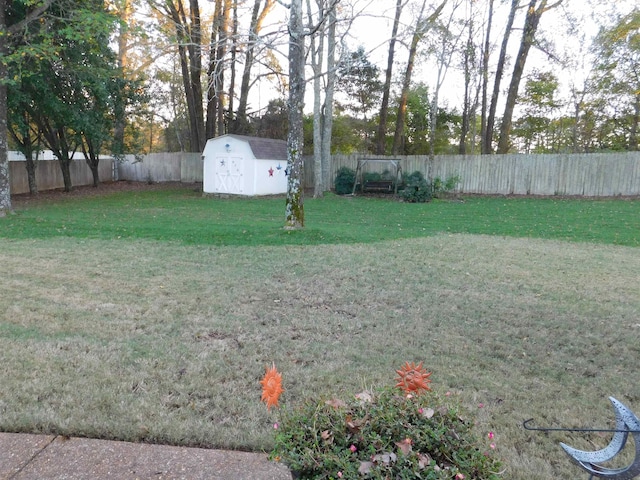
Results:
[151, 316]
[183, 215]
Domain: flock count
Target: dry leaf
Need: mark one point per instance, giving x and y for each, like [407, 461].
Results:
[428, 412]
[326, 436]
[336, 403]
[424, 460]
[364, 397]
[365, 468]
[386, 458]
[404, 446]
[355, 425]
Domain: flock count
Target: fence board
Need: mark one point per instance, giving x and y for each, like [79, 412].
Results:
[49, 175]
[597, 175]
[594, 175]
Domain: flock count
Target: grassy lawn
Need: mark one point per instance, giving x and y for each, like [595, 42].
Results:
[150, 316]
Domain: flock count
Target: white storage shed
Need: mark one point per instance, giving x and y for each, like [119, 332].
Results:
[241, 165]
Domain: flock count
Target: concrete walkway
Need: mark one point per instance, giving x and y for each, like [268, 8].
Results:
[43, 457]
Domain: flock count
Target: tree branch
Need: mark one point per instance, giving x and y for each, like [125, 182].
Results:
[31, 16]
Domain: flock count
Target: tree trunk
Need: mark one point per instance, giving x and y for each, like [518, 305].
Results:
[190, 51]
[222, 52]
[257, 18]
[528, 35]
[398, 138]
[316, 52]
[5, 186]
[232, 67]
[213, 72]
[294, 207]
[466, 108]
[30, 165]
[327, 113]
[422, 25]
[484, 147]
[488, 138]
[123, 61]
[384, 108]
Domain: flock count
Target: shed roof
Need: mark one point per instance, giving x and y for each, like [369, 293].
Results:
[264, 148]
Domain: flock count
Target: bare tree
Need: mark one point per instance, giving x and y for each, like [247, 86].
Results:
[421, 27]
[444, 51]
[488, 130]
[384, 108]
[484, 148]
[528, 36]
[322, 25]
[188, 29]
[258, 15]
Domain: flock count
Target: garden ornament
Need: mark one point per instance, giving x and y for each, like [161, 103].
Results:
[626, 423]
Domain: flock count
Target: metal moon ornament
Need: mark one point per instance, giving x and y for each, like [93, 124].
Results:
[626, 422]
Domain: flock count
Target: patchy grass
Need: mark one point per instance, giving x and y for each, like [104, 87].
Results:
[149, 338]
[183, 215]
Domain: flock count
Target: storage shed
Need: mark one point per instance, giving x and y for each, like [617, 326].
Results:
[241, 165]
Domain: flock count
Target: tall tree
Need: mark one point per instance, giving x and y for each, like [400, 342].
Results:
[322, 24]
[484, 148]
[5, 186]
[258, 16]
[386, 89]
[327, 110]
[188, 31]
[421, 27]
[444, 47]
[532, 20]
[316, 53]
[294, 205]
[617, 74]
[487, 139]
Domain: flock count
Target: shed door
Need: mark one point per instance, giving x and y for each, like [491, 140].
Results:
[229, 175]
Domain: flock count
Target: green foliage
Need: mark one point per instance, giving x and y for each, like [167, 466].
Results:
[441, 187]
[358, 78]
[345, 178]
[382, 435]
[416, 189]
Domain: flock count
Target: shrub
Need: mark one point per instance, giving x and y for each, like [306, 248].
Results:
[387, 434]
[440, 187]
[416, 189]
[345, 178]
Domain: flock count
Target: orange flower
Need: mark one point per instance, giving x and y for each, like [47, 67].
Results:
[271, 387]
[412, 378]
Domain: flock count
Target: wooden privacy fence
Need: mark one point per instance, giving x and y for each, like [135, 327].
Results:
[49, 174]
[162, 167]
[591, 175]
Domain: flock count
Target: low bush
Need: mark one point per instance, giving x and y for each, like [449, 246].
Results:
[442, 187]
[390, 433]
[416, 189]
[345, 178]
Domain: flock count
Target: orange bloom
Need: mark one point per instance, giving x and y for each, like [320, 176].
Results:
[271, 387]
[412, 378]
